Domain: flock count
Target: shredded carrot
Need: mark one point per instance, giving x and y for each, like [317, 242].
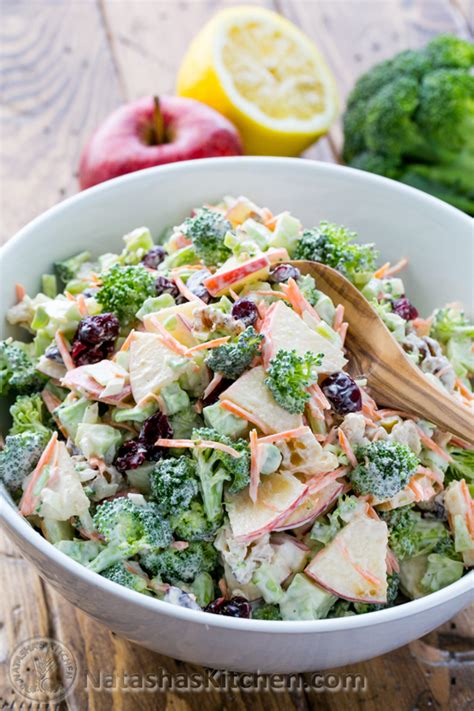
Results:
[63, 350]
[262, 310]
[469, 506]
[392, 562]
[50, 400]
[287, 434]
[429, 444]
[81, 305]
[331, 436]
[127, 342]
[338, 317]
[254, 465]
[171, 443]
[465, 392]
[343, 331]
[417, 490]
[215, 343]
[169, 340]
[69, 296]
[346, 448]
[362, 571]
[222, 585]
[431, 475]
[271, 293]
[244, 414]
[460, 443]
[422, 326]
[215, 382]
[320, 397]
[382, 271]
[28, 501]
[397, 267]
[183, 289]
[298, 301]
[20, 292]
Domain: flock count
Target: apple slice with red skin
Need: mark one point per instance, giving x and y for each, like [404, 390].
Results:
[353, 565]
[278, 495]
[312, 506]
[142, 134]
[231, 276]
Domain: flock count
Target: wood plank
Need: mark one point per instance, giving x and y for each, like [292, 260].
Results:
[355, 35]
[149, 40]
[58, 81]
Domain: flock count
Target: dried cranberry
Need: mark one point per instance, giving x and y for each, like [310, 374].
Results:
[83, 354]
[245, 310]
[343, 393]
[93, 330]
[155, 427]
[404, 308]
[154, 257]
[52, 353]
[283, 272]
[235, 607]
[195, 284]
[131, 455]
[163, 285]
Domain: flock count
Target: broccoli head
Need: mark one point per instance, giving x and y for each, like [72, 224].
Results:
[207, 230]
[69, 268]
[412, 118]
[193, 524]
[128, 528]
[235, 356]
[266, 611]
[28, 415]
[289, 376]
[124, 289]
[175, 565]
[451, 322]
[174, 484]
[409, 534]
[17, 369]
[122, 575]
[386, 469]
[20, 456]
[334, 245]
[214, 467]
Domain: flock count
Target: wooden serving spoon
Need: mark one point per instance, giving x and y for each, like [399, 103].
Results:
[394, 381]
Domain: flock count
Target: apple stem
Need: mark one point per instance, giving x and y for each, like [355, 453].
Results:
[158, 122]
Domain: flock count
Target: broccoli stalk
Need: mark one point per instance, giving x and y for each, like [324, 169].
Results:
[235, 356]
[386, 469]
[289, 376]
[128, 529]
[207, 230]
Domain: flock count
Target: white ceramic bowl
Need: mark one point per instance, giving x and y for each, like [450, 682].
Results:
[436, 238]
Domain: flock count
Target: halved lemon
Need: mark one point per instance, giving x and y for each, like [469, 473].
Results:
[265, 75]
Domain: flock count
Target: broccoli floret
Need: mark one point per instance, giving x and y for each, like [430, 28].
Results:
[184, 422]
[289, 376]
[128, 529]
[235, 356]
[207, 230]
[411, 535]
[267, 611]
[20, 456]
[17, 369]
[68, 269]
[386, 469]
[174, 565]
[193, 524]
[412, 118]
[173, 484]
[451, 322]
[214, 467]
[118, 573]
[28, 415]
[334, 245]
[124, 289]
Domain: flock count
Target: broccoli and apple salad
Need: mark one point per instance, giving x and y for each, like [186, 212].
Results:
[184, 423]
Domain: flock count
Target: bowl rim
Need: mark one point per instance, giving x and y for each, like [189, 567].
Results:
[25, 531]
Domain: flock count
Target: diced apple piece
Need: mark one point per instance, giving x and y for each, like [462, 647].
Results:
[312, 506]
[149, 366]
[353, 566]
[304, 455]
[234, 274]
[278, 495]
[251, 393]
[174, 318]
[286, 330]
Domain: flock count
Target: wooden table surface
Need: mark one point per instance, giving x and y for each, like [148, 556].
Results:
[64, 65]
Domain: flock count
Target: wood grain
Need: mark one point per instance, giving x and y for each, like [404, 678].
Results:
[63, 66]
[57, 82]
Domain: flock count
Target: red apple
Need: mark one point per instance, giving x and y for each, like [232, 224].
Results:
[150, 132]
